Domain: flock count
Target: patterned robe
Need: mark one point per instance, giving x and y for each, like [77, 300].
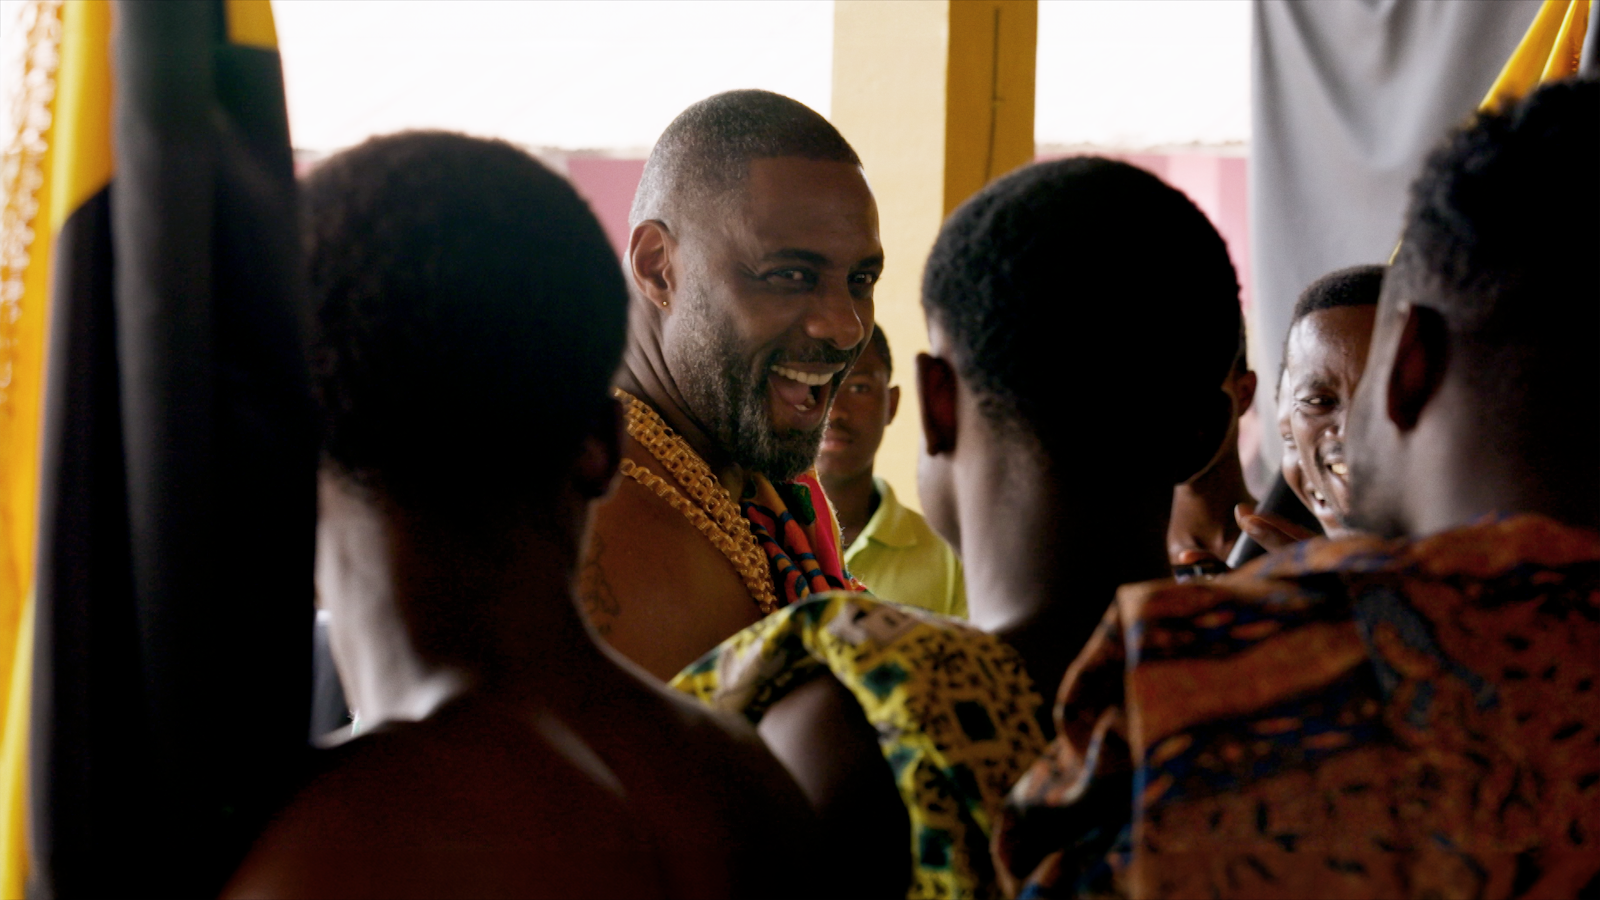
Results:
[955, 711]
[1358, 718]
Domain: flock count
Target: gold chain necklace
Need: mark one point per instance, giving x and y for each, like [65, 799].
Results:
[709, 506]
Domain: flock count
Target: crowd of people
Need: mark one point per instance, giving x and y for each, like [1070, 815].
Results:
[620, 609]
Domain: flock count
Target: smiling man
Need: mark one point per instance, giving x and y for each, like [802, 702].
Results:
[1323, 357]
[752, 261]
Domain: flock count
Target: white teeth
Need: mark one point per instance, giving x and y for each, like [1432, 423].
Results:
[1317, 495]
[1339, 469]
[802, 377]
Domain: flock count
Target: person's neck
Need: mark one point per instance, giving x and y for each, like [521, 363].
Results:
[1205, 504]
[855, 498]
[499, 624]
[1461, 471]
[1042, 567]
[644, 374]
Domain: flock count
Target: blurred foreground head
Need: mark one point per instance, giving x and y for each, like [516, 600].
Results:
[1482, 386]
[1090, 314]
[469, 316]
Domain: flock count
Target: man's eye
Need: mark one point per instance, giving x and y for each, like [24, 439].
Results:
[865, 278]
[790, 276]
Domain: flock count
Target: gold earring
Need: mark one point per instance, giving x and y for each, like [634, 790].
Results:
[663, 304]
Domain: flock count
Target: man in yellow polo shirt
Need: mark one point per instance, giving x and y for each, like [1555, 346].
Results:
[890, 548]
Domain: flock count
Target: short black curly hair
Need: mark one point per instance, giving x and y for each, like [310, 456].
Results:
[1500, 239]
[1503, 223]
[1351, 286]
[1078, 292]
[468, 313]
[706, 151]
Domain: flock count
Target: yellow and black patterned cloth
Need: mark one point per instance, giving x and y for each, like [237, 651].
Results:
[1358, 718]
[955, 712]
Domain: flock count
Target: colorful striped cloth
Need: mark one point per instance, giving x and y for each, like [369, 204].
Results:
[799, 535]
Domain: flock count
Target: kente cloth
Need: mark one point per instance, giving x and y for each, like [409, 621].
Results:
[796, 528]
[955, 712]
[1356, 718]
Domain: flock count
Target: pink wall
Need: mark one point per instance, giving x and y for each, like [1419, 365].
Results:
[608, 185]
[1215, 183]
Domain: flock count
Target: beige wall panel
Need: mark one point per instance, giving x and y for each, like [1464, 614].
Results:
[935, 113]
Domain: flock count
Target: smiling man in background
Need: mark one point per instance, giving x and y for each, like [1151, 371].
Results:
[752, 261]
[890, 548]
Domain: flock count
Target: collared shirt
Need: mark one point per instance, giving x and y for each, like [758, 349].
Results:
[1358, 718]
[899, 558]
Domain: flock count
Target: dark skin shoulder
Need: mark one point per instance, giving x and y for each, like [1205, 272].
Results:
[652, 585]
[465, 806]
[717, 807]
[822, 737]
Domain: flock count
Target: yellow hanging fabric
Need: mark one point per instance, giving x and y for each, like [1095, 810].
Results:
[1549, 51]
[58, 156]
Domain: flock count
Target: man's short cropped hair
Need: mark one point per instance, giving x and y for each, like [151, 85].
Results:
[469, 316]
[1353, 286]
[708, 148]
[1081, 295]
[1501, 232]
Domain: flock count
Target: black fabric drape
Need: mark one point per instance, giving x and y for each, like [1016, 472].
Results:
[172, 681]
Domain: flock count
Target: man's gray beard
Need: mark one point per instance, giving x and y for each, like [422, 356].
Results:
[731, 401]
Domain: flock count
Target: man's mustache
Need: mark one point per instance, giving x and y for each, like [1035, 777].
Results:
[825, 354]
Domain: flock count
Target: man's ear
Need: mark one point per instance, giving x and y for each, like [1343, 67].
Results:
[600, 453]
[650, 262]
[1204, 427]
[936, 399]
[1244, 391]
[894, 403]
[1421, 357]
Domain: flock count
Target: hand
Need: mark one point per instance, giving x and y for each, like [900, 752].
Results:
[1271, 531]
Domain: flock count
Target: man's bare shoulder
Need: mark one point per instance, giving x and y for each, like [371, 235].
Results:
[469, 806]
[704, 783]
[656, 588]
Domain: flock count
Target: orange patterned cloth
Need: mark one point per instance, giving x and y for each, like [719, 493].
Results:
[1356, 718]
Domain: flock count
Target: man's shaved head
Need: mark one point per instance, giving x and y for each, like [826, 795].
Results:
[706, 151]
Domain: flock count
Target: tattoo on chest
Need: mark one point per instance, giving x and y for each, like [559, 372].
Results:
[599, 601]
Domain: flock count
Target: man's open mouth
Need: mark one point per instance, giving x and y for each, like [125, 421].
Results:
[803, 389]
[1334, 473]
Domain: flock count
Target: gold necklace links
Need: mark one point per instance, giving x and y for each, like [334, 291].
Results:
[709, 506]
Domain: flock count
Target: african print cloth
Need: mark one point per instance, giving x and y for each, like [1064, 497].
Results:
[795, 527]
[1356, 718]
[955, 712]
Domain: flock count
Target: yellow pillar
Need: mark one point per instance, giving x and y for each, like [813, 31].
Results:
[937, 98]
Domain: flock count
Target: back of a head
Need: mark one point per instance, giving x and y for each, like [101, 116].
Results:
[1088, 301]
[1501, 239]
[469, 315]
[707, 149]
